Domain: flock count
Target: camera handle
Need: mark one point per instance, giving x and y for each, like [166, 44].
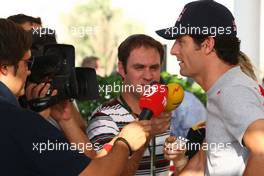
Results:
[40, 104]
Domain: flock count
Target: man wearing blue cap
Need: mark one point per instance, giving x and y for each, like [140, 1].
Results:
[207, 49]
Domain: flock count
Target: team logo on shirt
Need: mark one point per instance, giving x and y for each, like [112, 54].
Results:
[261, 90]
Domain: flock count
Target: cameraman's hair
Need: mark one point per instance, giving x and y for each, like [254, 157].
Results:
[14, 42]
[21, 18]
[137, 41]
[227, 47]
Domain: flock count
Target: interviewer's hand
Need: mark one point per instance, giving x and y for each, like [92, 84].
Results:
[135, 135]
[160, 124]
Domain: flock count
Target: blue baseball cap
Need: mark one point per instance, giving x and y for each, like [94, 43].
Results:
[203, 17]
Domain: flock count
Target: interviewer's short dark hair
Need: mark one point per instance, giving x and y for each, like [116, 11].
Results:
[136, 41]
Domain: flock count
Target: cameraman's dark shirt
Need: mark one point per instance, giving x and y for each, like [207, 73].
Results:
[22, 132]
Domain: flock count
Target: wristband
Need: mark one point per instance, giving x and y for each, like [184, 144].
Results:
[108, 147]
[124, 141]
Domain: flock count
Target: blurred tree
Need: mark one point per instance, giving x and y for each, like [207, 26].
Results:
[96, 28]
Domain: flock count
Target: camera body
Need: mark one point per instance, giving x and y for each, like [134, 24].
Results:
[55, 64]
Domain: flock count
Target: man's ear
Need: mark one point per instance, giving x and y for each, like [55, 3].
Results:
[208, 45]
[4, 70]
[121, 69]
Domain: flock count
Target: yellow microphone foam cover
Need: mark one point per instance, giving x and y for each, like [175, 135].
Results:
[175, 96]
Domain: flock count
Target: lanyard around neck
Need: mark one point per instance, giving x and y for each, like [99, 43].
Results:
[126, 106]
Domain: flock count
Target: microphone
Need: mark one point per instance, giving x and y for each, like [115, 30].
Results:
[175, 96]
[153, 101]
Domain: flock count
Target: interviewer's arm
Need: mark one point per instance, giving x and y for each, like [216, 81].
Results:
[111, 164]
[133, 162]
[114, 163]
[63, 113]
[75, 135]
[254, 141]
[78, 117]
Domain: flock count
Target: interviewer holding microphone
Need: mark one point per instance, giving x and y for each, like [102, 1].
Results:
[140, 58]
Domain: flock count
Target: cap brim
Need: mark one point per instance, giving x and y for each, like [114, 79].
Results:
[167, 33]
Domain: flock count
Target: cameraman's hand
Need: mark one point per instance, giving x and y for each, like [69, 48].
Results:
[34, 91]
[135, 135]
[160, 124]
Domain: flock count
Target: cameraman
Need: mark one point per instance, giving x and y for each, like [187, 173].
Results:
[34, 91]
[20, 154]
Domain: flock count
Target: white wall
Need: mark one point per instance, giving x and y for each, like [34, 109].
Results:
[248, 18]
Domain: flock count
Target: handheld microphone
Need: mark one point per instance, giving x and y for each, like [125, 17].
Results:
[175, 96]
[153, 101]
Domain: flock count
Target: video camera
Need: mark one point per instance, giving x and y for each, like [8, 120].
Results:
[55, 63]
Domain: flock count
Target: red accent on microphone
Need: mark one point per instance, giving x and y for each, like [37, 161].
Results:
[154, 99]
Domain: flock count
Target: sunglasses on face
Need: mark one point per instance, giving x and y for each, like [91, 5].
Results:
[29, 62]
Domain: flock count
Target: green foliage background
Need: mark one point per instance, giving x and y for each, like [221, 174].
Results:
[96, 28]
